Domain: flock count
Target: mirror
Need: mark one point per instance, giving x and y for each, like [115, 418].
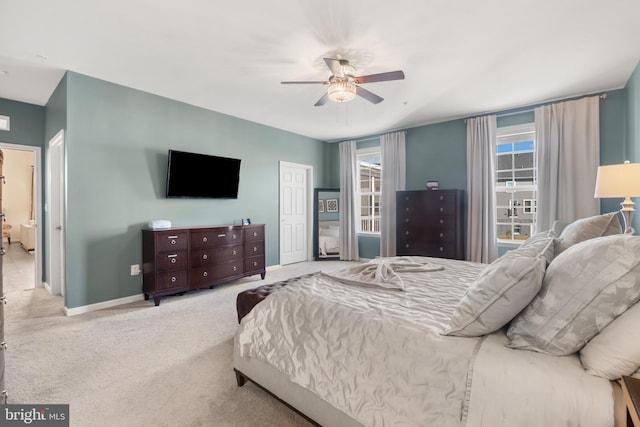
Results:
[326, 222]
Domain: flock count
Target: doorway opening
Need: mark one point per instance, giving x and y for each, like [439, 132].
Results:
[22, 207]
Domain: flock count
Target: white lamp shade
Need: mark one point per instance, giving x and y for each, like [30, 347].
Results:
[621, 180]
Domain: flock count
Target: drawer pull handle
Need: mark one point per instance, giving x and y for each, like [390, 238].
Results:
[255, 234]
[255, 264]
[406, 245]
[406, 220]
[406, 233]
[234, 236]
[205, 256]
[442, 221]
[205, 274]
[406, 209]
[172, 237]
[255, 249]
[234, 252]
[173, 261]
[441, 209]
[173, 241]
[204, 239]
[173, 279]
[222, 235]
[441, 249]
[172, 256]
[234, 268]
[441, 197]
[441, 234]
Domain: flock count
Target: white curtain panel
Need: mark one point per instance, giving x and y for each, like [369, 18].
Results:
[349, 202]
[568, 139]
[394, 178]
[481, 154]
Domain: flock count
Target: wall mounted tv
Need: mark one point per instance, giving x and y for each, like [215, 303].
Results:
[192, 175]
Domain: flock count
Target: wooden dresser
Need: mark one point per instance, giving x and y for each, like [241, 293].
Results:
[430, 223]
[177, 260]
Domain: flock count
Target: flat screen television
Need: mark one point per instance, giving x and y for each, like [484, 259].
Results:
[193, 175]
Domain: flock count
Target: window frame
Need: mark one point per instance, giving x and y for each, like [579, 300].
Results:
[512, 135]
[362, 154]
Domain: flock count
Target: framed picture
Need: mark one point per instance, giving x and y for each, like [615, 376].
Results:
[321, 206]
[432, 185]
[332, 205]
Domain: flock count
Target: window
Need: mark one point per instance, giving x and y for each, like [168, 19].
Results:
[516, 183]
[369, 187]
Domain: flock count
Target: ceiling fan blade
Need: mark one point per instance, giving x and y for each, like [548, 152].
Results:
[322, 100]
[382, 77]
[317, 82]
[334, 66]
[369, 96]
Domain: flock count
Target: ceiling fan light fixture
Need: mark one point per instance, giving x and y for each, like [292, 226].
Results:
[341, 91]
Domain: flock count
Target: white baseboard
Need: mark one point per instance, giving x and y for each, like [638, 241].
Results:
[102, 305]
[47, 287]
[115, 302]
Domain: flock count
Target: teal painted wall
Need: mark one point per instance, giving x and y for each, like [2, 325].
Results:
[116, 147]
[27, 123]
[27, 128]
[632, 143]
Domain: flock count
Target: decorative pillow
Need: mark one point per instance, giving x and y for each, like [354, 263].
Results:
[557, 227]
[583, 290]
[589, 228]
[614, 352]
[500, 292]
[539, 244]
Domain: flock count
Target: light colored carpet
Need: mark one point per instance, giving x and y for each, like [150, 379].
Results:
[140, 365]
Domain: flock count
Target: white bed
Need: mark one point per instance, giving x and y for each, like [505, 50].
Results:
[326, 348]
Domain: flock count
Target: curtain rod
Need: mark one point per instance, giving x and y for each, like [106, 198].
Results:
[514, 111]
[370, 137]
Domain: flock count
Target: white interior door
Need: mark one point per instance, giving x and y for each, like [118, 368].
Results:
[294, 212]
[56, 214]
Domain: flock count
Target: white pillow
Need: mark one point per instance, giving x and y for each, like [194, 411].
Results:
[584, 289]
[500, 292]
[615, 351]
[588, 228]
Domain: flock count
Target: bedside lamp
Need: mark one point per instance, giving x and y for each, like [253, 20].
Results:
[622, 180]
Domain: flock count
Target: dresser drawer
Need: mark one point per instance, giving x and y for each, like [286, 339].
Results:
[215, 255]
[172, 280]
[174, 260]
[254, 264]
[210, 274]
[430, 249]
[203, 239]
[421, 208]
[171, 241]
[445, 233]
[440, 221]
[253, 249]
[253, 234]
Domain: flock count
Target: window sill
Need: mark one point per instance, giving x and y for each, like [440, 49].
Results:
[368, 234]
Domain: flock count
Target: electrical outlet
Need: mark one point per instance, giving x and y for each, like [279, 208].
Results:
[135, 269]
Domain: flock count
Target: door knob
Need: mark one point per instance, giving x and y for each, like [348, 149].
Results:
[59, 227]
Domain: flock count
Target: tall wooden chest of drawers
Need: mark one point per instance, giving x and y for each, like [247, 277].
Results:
[177, 260]
[430, 223]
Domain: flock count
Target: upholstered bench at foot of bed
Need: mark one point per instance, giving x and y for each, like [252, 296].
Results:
[248, 299]
[245, 301]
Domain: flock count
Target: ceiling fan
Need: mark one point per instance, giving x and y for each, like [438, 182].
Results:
[343, 84]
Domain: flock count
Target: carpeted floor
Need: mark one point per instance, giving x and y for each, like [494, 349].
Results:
[140, 365]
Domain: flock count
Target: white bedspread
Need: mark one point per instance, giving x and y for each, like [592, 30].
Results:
[377, 355]
[524, 388]
[374, 353]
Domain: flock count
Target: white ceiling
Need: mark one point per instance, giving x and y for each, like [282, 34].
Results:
[460, 57]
